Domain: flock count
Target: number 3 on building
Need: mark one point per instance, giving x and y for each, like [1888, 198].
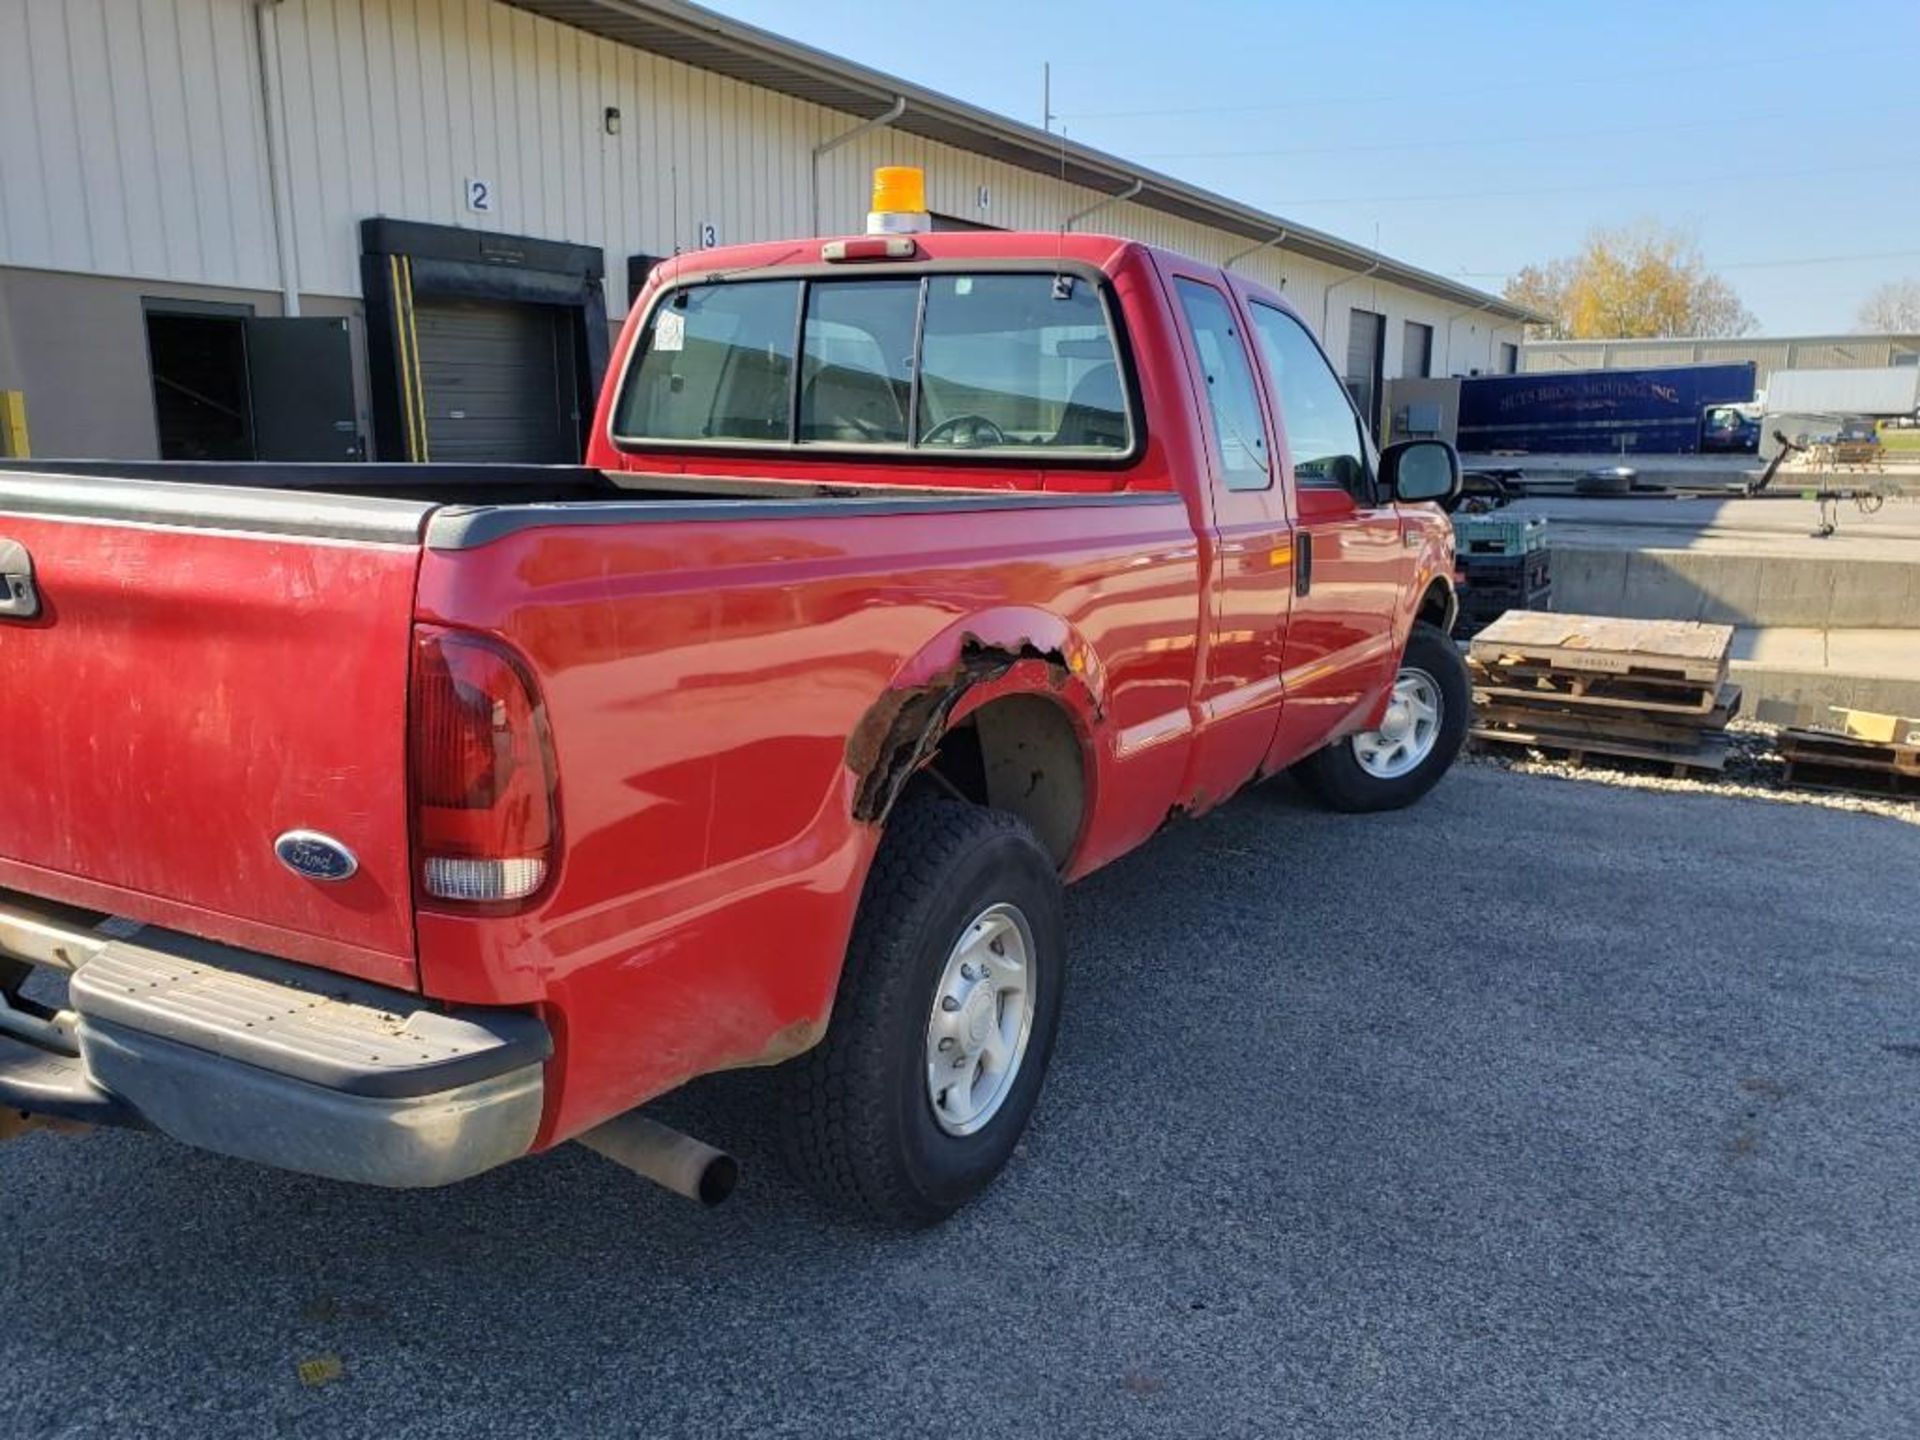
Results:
[480, 196]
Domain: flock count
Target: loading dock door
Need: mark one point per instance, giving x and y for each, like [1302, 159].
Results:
[497, 380]
[1366, 352]
[301, 375]
[481, 346]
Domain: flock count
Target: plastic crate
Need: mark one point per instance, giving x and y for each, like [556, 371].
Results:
[1475, 535]
[1510, 575]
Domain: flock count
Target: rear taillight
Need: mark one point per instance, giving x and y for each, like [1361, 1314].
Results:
[482, 772]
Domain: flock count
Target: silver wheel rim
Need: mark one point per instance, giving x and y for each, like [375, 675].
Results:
[981, 1018]
[1407, 732]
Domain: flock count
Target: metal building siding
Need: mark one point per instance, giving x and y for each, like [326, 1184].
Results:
[25, 200]
[1810, 352]
[134, 140]
[1842, 355]
[390, 105]
[1770, 357]
[1629, 356]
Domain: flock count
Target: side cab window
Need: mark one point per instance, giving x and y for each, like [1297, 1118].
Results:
[1322, 432]
[1233, 395]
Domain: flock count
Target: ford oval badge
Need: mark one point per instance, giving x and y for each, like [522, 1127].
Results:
[314, 856]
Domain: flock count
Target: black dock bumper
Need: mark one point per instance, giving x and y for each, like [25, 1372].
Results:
[258, 1058]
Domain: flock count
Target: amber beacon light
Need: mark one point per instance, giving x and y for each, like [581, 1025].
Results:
[899, 201]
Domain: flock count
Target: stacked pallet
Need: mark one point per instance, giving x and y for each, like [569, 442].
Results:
[1583, 685]
[1867, 753]
[1504, 565]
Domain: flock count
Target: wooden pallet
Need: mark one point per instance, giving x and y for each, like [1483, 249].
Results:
[1673, 650]
[1708, 752]
[1879, 727]
[1847, 752]
[1851, 780]
[1549, 685]
[1682, 731]
[1592, 686]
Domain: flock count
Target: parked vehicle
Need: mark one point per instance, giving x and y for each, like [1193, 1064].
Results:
[389, 823]
[1660, 411]
[1813, 407]
[1731, 429]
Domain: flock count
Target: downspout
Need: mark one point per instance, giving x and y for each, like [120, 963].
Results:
[1239, 255]
[1102, 203]
[879, 122]
[1326, 296]
[267, 38]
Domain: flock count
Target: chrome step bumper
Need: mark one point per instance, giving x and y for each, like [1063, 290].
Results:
[259, 1058]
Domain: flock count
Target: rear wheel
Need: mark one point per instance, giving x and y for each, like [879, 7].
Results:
[1416, 742]
[944, 1021]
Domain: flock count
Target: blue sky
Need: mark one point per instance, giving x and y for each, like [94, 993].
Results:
[1475, 138]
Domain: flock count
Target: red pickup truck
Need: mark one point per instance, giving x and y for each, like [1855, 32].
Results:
[388, 823]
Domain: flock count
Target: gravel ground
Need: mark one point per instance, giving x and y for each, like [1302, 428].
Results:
[1540, 1109]
[1754, 771]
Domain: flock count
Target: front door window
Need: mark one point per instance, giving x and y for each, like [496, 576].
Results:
[1322, 432]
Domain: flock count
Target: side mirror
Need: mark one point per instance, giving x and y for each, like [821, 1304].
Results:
[1417, 470]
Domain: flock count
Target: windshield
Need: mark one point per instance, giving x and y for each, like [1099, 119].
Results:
[943, 363]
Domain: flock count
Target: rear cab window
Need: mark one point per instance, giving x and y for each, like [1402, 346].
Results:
[717, 364]
[983, 364]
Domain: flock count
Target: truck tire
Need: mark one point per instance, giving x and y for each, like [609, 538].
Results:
[1395, 765]
[959, 951]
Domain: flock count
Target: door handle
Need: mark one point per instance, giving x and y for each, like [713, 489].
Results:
[1303, 562]
[19, 600]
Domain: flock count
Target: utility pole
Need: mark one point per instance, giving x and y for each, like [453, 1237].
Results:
[1046, 96]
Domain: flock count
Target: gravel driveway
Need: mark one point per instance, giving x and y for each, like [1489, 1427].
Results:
[1543, 1108]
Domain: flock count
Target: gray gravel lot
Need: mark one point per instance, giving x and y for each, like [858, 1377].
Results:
[1544, 1108]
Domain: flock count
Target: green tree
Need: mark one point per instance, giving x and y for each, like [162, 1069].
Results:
[1628, 283]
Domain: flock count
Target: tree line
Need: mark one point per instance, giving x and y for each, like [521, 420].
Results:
[1646, 281]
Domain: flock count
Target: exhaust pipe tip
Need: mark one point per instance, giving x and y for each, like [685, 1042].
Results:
[718, 1179]
[663, 1155]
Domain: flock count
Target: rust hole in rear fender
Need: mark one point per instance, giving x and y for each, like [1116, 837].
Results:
[903, 728]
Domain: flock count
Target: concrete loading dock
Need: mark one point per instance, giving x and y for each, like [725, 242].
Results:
[1819, 622]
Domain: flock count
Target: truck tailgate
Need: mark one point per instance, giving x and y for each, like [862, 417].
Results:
[208, 670]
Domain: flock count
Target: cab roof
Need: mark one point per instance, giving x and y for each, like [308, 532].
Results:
[1103, 252]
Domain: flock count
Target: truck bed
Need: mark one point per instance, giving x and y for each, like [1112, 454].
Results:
[467, 484]
[457, 506]
[428, 482]
[215, 663]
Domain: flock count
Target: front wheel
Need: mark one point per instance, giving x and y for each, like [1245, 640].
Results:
[944, 1020]
[1418, 738]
